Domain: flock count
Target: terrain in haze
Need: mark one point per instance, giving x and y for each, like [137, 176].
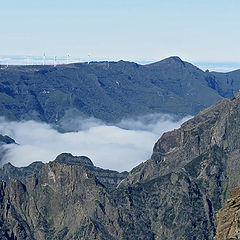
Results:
[110, 91]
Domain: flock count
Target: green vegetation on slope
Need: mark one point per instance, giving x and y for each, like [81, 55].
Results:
[110, 90]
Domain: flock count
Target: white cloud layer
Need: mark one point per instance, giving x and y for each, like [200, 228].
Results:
[120, 147]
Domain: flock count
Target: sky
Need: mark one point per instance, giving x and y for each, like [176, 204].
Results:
[133, 30]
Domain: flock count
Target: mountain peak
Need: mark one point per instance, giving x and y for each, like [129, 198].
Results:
[170, 61]
[173, 60]
[69, 159]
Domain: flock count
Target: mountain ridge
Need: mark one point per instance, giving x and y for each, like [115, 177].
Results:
[110, 91]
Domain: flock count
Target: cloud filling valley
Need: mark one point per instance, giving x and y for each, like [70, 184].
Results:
[118, 147]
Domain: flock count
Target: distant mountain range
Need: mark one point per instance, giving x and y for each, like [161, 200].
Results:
[111, 91]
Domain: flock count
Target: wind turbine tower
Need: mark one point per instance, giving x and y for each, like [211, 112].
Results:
[44, 59]
[89, 55]
[68, 56]
[55, 61]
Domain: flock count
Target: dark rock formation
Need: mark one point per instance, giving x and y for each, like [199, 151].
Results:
[3, 141]
[107, 177]
[9, 171]
[6, 140]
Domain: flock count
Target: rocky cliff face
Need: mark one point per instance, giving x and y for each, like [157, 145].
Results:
[107, 177]
[173, 195]
[228, 218]
[9, 171]
[68, 202]
[53, 204]
[206, 150]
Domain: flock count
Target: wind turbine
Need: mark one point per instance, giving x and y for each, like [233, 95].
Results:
[44, 59]
[89, 55]
[68, 56]
[55, 61]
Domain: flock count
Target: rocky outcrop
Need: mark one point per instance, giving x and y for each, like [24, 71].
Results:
[228, 218]
[9, 171]
[107, 177]
[3, 150]
[195, 138]
[6, 140]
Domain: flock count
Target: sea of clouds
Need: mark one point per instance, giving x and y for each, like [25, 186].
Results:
[119, 146]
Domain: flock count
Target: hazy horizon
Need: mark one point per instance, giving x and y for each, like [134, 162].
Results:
[38, 60]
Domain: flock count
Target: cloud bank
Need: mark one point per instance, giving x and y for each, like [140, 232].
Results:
[119, 147]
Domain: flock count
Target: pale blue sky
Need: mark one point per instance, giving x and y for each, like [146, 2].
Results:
[124, 29]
